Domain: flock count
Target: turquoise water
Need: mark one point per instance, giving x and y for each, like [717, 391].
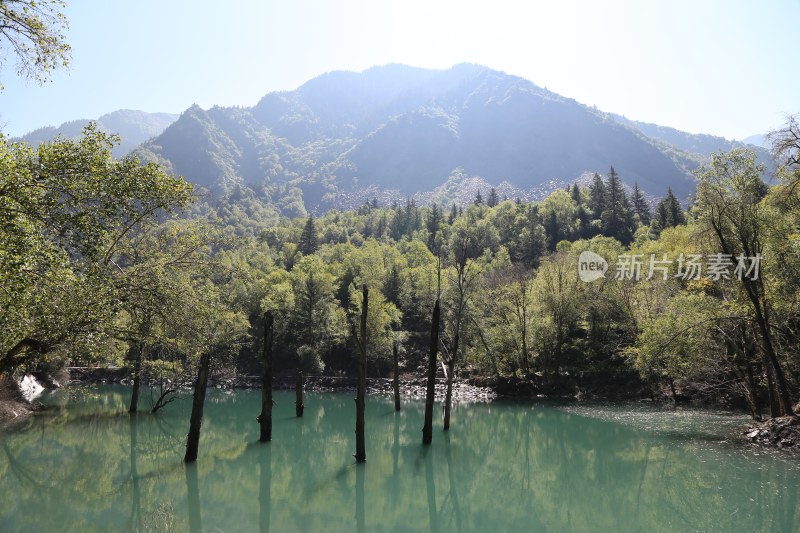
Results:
[85, 465]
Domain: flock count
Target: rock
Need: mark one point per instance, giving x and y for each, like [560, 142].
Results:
[29, 387]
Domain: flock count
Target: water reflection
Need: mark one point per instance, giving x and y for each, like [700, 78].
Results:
[430, 486]
[503, 467]
[264, 486]
[193, 498]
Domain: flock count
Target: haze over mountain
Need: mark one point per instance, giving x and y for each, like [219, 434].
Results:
[134, 128]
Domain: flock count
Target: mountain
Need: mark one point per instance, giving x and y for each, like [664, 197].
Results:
[133, 127]
[688, 142]
[759, 140]
[399, 130]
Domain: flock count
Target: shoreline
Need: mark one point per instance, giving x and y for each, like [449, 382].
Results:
[777, 434]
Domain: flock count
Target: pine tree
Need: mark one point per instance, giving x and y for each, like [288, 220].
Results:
[433, 224]
[478, 198]
[493, 199]
[553, 231]
[453, 214]
[668, 212]
[309, 241]
[576, 194]
[640, 206]
[597, 197]
[616, 218]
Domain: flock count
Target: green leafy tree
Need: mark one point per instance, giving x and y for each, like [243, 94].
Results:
[66, 207]
[729, 204]
[33, 32]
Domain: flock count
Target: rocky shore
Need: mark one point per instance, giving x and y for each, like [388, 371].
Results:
[415, 388]
[783, 432]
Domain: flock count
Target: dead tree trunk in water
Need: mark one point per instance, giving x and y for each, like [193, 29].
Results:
[361, 452]
[298, 394]
[427, 429]
[137, 377]
[396, 376]
[198, 401]
[265, 418]
[451, 369]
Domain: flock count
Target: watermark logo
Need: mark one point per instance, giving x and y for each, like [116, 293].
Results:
[715, 267]
[591, 266]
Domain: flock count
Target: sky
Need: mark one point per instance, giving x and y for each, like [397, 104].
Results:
[722, 67]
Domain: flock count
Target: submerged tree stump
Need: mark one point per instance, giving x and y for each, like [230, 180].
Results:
[265, 418]
[361, 452]
[427, 429]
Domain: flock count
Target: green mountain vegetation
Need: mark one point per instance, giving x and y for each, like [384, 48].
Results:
[394, 131]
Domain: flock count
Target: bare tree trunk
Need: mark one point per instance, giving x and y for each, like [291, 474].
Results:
[137, 377]
[752, 389]
[361, 452]
[265, 418]
[427, 429]
[451, 368]
[396, 376]
[198, 401]
[298, 394]
[774, 405]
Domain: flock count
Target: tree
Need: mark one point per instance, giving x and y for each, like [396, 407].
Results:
[597, 196]
[492, 199]
[478, 198]
[729, 204]
[668, 212]
[64, 211]
[316, 322]
[462, 276]
[616, 217]
[309, 241]
[434, 223]
[207, 329]
[430, 389]
[575, 193]
[558, 293]
[511, 317]
[32, 31]
[640, 207]
[265, 417]
[361, 341]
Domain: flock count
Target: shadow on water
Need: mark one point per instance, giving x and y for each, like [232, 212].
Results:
[430, 487]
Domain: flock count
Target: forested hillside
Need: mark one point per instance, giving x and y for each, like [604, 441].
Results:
[688, 297]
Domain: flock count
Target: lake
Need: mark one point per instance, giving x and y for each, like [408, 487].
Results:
[85, 465]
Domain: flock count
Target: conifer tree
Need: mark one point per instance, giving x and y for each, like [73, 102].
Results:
[597, 197]
[616, 218]
[640, 206]
[433, 224]
[309, 241]
[493, 199]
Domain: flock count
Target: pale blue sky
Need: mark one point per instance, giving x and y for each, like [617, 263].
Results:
[705, 66]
